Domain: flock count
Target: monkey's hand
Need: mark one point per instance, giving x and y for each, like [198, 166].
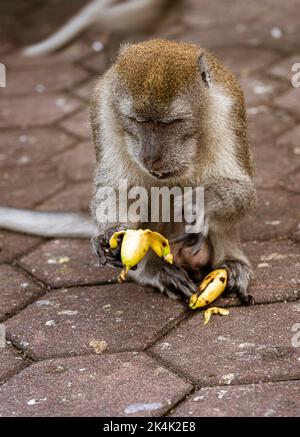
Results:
[100, 246]
[193, 240]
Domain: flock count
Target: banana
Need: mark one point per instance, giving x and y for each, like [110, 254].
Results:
[214, 310]
[160, 246]
[135, 245]
[210, 289]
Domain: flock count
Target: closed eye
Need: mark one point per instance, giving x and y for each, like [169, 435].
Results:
[159, 122]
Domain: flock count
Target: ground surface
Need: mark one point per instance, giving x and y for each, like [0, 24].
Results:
[61, 311]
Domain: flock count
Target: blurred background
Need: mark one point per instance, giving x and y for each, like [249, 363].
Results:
[46, 153]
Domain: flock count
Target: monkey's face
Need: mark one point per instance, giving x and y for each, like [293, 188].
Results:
[157, 97]
[164, 145]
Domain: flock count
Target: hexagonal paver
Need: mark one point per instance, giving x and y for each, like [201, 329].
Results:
[283, 68]
[259, 89]
[85, 90]
[273, 162]
[35, 110]
[67, 262]
[277, 212]
[276, 270]
[265, 123]
[45, 78]
[251, 344]
[78, 320]
[75, 197]
[96, 62]
[78, 124]
[272, 399]
[244, 61]
[16, 290]
[10, 363]
[111, 385]
[12, 245]
[291, 139]
[208, 15]
[78, 163]
[24, 189]
[34, 146]
[292, 182]
[289, 101]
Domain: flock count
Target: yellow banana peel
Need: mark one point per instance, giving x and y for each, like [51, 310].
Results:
[135, 245]
[214, 310]
[210, 289]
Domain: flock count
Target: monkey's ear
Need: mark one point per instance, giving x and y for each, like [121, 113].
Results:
[203, 69]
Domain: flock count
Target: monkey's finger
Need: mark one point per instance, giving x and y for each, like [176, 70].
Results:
[198, 245]
[189, 239]
[176, 280]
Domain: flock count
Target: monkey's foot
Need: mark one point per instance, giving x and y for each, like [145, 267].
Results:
[239, 275]
[175, 282]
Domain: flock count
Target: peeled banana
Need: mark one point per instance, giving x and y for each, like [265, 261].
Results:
[135, 245]
[210, 289]
[214, 310]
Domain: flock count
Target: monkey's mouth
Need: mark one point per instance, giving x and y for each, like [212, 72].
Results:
[162, 175]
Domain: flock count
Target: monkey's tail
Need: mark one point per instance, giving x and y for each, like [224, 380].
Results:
[112, 17]
[47, 224]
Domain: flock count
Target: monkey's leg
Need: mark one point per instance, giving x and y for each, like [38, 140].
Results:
[227, 254]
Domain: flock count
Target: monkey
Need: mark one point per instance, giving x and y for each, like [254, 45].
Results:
[112, 15]
[168, 113]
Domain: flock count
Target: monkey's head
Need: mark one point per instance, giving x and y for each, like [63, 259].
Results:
[159, 96]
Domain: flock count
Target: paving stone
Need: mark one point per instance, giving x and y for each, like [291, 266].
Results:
[111, 385]
[96, 62]
[265, 123]
[244, 61]
[271, 399]
[259, 90]
[32, 185]
[45, 78]
[277, 213]
[79, 124]
[292, 183]
[16, 290]
[206, 15]
[283, 68]
[10, 364]
[67, 262]
[85, 90]
[289, 101]
[12, 245]
[251, 344]
[76, 197]
[273, 163]
[291, 139]
[276, 267]
[72, 321]
[35, 110]
[78, 163]
[33, 146]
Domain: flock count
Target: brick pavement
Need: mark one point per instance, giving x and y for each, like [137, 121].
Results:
[77, 342]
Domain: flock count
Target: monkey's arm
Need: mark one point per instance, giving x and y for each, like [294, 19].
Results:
[226, 201]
